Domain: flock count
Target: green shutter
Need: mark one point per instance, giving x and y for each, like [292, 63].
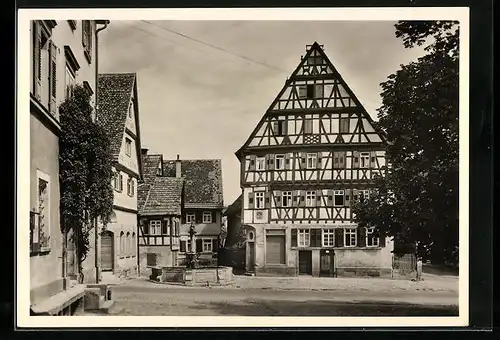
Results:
[355, 159]
[267, 200]
[278, 199]
[347, 197]
[252, 163]
[381, 240]
[373, 160]
[183, 246]
[361, 236]
[199, 246]
[251, 200]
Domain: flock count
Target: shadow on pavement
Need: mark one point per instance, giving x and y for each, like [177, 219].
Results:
[253, 307]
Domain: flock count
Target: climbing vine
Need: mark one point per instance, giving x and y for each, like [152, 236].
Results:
[85, 172]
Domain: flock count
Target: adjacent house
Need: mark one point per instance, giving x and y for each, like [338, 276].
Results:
[234, 253]
[313, 154]
[203, 204]
[63, 53]
[119, 114]
[160, 203]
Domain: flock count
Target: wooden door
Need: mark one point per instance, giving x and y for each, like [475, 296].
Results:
[305, 262]
[326, 266]
[251, 257]
[107, 252]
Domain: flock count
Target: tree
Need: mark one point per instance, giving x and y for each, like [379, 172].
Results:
[85, 172]
[417, 200]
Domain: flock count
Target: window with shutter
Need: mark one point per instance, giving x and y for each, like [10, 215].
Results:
[207, 217]
[259, 200]
[52, 77]
[286, 198]
[294, 237]
[350, 235]
[304, 237]
[344, 125]
[310, 198]
[207, 245]
[338, 196]
[364, 158]
[328, 237]
[280, 161]
[87, 39]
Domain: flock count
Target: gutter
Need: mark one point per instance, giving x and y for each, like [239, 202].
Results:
[96, 234]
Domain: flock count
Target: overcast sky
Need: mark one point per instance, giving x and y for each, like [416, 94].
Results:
[203, 89]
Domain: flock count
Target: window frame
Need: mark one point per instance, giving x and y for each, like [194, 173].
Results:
[68, 85]
[41, 176]
[190, 217]
[260, 163]
[369, 236]
[128, 146]
[310, 198]
[303, 238]
[344, 124]
[364, 160]
[204, 242]
[311, 156]
[153, 225]
[286, 196]
[350, 232]
[328, 235]
[279, 127]
[204, 214]
[260, 197]
[339, 192]
[281, 158]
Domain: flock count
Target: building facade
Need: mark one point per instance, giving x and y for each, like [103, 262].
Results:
[160, 203]
[203, 204]
[313, 154]
[119, 114]
[63, 53]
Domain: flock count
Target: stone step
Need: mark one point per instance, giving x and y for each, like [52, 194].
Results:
[106, 306]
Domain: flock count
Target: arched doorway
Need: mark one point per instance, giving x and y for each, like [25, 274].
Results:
[250, 242]
[107, 251]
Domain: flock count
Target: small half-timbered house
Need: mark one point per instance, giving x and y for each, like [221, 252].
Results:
[160, 202]
[203, 204]
[314, 152]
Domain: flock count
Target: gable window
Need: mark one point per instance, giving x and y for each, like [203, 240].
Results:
[304, 238]
[338, 197]
[207, 245]
[311, 91]
[344, 125]
[280, 162]
[311, 160]
[287, 198]
[261, 163]
[371, 241]
[155, 227]
[350, 237]
[308, 126]
[328, 237]
[314, 60]
[207, 217]
[279, 127]
[87, 39]
[259, 200]
[130, 187]
[364, 158]
[190, 218]
[128, 146]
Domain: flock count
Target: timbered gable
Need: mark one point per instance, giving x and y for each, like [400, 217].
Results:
[315, 107]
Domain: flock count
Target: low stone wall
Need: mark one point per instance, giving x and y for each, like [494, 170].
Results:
[276, 271]
[197, 276]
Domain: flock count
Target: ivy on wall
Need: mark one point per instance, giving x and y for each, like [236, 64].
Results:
[85, 172]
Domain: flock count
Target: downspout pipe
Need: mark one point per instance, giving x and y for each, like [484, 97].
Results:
[96, 233]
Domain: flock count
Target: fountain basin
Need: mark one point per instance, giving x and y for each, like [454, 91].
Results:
[194, 277]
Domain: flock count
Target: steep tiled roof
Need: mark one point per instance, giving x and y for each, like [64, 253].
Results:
[149, 167]
[114, 93]
[203, 187]
[164, 197]
[234, 208]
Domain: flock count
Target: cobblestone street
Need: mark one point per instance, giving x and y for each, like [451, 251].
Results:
[139, 297]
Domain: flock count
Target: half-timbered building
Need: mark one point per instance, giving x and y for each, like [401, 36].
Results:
[203, 204]
[119, 114]
[160, 203]
[314, 152]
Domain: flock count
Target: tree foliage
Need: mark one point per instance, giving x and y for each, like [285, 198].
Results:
[417, 200]
[85, 171]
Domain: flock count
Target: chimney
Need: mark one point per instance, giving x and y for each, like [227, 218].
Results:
[178, 167]
[144, 151]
